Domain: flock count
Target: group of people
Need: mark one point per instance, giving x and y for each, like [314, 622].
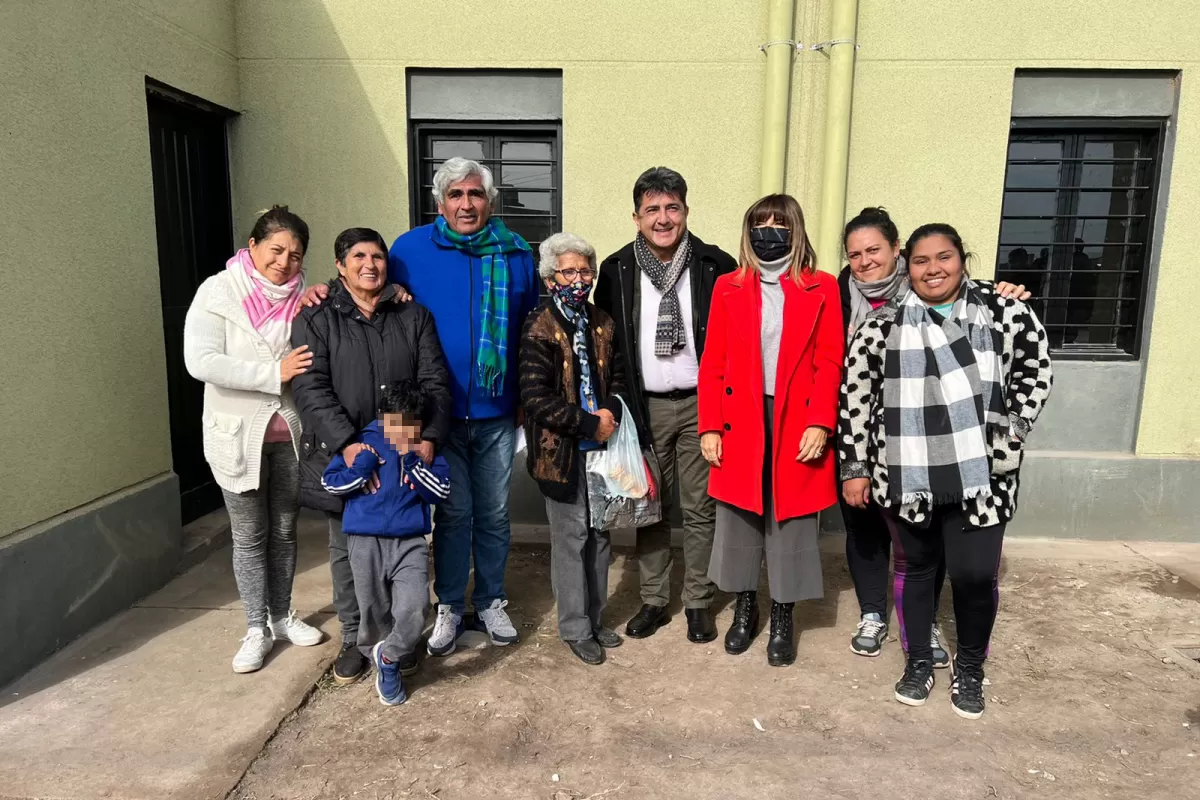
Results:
[764, 390]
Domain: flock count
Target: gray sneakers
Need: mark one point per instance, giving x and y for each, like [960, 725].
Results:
[868, 639]
[941, 657]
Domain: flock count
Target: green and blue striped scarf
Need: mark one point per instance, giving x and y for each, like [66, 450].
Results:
[490, 245]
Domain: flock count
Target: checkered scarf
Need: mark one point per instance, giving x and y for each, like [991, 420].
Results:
[941, 392]
[670, 334]
[490, 244]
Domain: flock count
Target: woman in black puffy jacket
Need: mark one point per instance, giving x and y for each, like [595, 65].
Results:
[365, 336]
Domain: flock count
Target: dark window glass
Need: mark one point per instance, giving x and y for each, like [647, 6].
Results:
[524, 163]
[1075, 225]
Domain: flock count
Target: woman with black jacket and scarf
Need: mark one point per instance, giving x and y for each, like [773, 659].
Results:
[365, 337]
[942, 389]
[569, 379]
[875, 274]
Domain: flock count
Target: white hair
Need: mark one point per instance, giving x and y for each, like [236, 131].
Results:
[558, 245]
[459, 169]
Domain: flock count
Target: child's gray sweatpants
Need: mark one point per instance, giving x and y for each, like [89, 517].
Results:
[391, 581]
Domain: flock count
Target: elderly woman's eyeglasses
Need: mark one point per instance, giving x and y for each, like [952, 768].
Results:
[573, 275]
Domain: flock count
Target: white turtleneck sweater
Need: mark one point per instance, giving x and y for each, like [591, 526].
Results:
[770, 273]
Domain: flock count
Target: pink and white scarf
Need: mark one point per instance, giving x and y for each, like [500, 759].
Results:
[269, 306]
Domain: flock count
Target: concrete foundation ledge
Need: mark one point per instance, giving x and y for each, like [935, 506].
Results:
[64, 575]
[1102, 496]
[1093, 495]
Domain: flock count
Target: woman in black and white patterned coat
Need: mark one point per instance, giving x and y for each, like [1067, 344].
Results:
[942, 387]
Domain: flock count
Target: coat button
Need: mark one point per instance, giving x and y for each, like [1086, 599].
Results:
[728, 390]
[727, 427]
[600, 362]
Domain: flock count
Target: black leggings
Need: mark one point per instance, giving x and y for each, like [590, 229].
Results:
[972, 559]
[868, 551]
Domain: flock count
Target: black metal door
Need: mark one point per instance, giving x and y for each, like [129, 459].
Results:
[195, 238]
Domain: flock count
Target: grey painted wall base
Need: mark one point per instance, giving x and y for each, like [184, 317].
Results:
[1094, 407]
[63, 576]
[1104, 496]
[1080, 495]
[1109, 496]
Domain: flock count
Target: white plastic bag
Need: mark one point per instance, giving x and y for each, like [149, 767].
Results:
[621, 464]
[608, 512]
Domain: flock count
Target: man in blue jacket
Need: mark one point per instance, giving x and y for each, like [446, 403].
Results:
[479, 281]
[388, 490]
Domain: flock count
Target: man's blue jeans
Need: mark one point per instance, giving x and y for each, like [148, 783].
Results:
[474, 519]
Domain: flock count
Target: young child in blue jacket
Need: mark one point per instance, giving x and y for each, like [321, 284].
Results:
[385, 532]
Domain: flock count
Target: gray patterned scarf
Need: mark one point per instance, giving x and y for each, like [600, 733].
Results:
[670, 334]
[863, 292]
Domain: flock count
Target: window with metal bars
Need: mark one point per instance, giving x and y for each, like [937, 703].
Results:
[1076, 226]
[524, 160]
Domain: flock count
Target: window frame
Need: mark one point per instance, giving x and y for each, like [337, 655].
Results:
[1155, 127]
[419, 130]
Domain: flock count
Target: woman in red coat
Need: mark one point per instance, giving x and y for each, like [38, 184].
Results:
[768, 395]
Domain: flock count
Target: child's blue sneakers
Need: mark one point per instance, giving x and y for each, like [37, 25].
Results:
[388, 682]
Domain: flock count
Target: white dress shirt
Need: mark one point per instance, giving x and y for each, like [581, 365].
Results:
[662, 374]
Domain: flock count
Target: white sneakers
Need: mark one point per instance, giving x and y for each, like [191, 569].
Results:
[446, 630]
[254, 650]
[293, 629]
[449, 626]
[259, 641]
[499, 626]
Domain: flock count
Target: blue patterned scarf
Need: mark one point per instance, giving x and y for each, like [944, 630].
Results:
[578, 317]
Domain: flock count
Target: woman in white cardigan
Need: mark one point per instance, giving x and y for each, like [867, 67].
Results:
[237, 339]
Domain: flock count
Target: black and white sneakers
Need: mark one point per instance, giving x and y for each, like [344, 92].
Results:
[916, 683]
[966, 689]
[966, 692]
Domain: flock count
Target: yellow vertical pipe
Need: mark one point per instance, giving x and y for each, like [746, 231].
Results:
[780, 51]
[840, 90]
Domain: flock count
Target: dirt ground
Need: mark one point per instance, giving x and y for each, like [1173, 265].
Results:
[1081, 705]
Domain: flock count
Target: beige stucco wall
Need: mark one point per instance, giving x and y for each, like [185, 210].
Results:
[325, 128]
[932, 102]
[83, 411]
[321, 88]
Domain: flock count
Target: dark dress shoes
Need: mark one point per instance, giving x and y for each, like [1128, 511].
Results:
[700, 627]
[608, 638]
[646, 621]
[588, 651]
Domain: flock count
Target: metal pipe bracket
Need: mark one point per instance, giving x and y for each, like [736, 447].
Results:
[797, 46]
[822, 47]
